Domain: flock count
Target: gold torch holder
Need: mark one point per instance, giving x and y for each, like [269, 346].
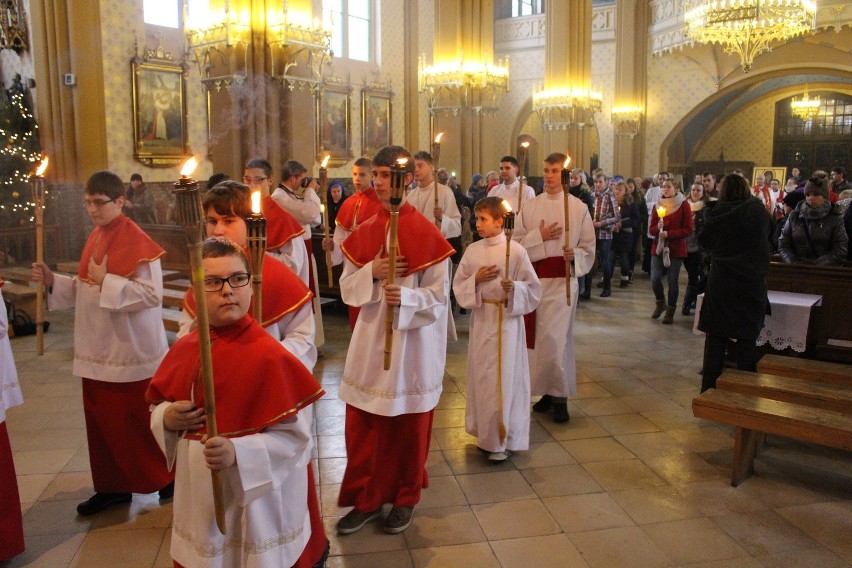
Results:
[189, 215]
[508, 229]
[37, 186]
[397, 186]
[566, 184]
[256, 240]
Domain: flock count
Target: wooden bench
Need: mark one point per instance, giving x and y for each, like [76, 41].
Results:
[806, 369]
[171, 319]
[180, 284]
[752, 415]
[18, 274]
[172, 298]
[826, 396]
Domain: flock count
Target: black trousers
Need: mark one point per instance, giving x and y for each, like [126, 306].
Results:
[744, 352]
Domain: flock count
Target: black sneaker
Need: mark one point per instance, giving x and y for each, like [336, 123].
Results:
[560, 412]
[168, 491]
[606, 293]
[100, 501]
[586, 294]
[399, 519]
[543, 405]
[354, 520]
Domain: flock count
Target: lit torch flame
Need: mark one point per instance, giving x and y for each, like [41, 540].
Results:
[567, 163]
[322, 208]
[402, 161]
[189, 167]
[438, 137]
[525, 145]
[255, 202]
[42, 167]
[325, 161]
[506, 206]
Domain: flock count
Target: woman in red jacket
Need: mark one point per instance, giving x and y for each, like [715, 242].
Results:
[671, 223]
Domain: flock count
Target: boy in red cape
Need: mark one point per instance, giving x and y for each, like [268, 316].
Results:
[119, 341]
[389, 413]
[262, 449]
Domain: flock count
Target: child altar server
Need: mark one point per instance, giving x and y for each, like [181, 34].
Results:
[498, 379]
[263, 446]
[11, 525]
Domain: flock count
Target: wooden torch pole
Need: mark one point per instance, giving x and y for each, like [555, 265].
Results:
[566, 184]
[37, 185]
[323, 181]
[396, 191]
[436, 156]
[256, 240]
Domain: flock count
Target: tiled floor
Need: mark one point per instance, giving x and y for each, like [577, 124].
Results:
[632, 480]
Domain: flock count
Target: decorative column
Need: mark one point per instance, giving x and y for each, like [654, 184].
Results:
[631, 74]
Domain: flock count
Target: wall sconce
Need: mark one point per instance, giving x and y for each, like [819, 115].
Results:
[626, 120]
[560, 108]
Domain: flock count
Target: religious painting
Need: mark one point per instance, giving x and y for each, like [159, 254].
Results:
[376, 119]
[770, 172]
[333, 121]
[159, 112]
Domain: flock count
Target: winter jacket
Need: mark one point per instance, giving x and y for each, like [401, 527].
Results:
[807, 239]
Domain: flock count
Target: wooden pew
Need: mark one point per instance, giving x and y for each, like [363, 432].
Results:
[806, 369]
[786, 389]
[752, 415]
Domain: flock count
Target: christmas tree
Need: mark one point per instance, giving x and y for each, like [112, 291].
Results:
[19, 155]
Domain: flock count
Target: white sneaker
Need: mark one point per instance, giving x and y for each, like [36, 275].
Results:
[498, 456]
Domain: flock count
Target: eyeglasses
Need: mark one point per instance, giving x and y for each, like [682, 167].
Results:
[96, 202]
[254, 180]
[238, 280]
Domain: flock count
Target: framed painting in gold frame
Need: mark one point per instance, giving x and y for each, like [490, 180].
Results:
[159, 110]
[334, 121]
[376, 119]
[770, 172]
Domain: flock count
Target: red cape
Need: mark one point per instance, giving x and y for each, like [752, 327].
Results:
[258, 383]
[357, 209]
[126, 245]
[420, 241]
[283, 292]
[281, 226]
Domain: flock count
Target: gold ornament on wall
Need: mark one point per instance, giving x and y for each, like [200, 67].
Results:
[13, 25]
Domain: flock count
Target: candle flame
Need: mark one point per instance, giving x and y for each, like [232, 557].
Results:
[322, 208]
[42, 167]
[189, 167]
[325, 161]
[661, 211]
[567, 163]
[255, 202]
[438, 137]
[525, 145]
[506, 206]
[402, 161]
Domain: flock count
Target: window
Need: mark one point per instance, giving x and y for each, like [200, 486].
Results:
[164, 13]
[351, 25]
[527, 7]
[822, 142]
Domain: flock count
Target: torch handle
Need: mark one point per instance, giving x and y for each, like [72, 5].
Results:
[257, 298]
[329, 268]
[39, 219]
[197, 268]
[567, 262]
[437, 223]
[392, 250]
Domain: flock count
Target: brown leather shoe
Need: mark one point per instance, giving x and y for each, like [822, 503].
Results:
[669, 317]
[354, 520]
[399, 519]
[658, 311]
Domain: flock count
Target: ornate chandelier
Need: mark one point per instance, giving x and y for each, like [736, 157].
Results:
[805, 107]
[457, 85]
[560, 108]
[747, 27]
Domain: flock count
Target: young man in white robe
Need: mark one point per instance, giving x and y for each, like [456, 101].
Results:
[445, 214]
[510, 185]
[11, 524]
[389, 412]
[119, 341]
[498, 380]
[550, 338]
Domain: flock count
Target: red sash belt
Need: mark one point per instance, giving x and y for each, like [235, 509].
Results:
[550, 267]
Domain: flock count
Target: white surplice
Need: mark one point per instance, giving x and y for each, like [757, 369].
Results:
[420, 325]
[118, 327]
[510, 193]
[482, 410]
[294, 254]
[266, 511]
[553, 368]
[423, 199]
[10, 389]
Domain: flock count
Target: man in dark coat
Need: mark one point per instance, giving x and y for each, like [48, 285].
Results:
[736, 236]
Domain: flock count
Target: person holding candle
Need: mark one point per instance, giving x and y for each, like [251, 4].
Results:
[481, 285]
[389, 412]
[670, 225]
[119, 341]
[286, 305]
[510, 185]
[735, 236]
[694, 261]
[263, 449]
[11, 523]
[550, 328]
[283, 229]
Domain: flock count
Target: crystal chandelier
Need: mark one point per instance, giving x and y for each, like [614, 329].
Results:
[457, 85]
[805, 107]
[560, 108]
[747, 27]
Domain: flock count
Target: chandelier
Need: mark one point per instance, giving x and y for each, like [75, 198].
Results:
[805, 107]
[747, 27]
[457, 85]
[626, 120]
[560, 108]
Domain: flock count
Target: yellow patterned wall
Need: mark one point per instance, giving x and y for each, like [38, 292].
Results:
[603, 79]
[747, 136]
